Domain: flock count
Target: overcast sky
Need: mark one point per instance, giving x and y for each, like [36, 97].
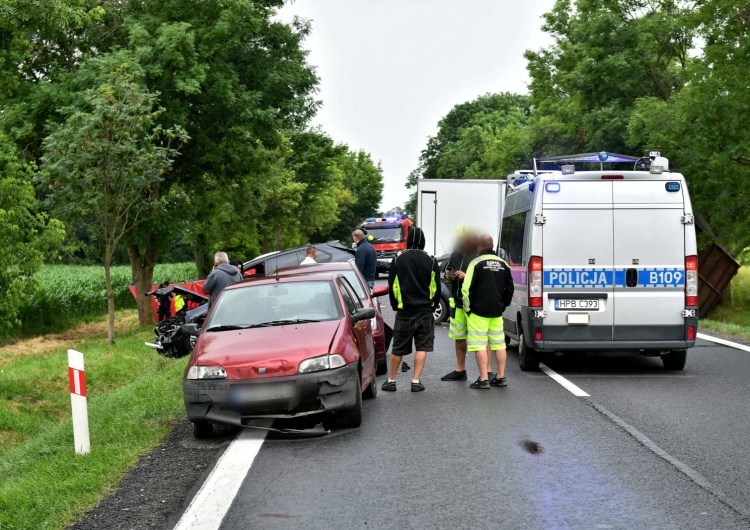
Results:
[390, 69]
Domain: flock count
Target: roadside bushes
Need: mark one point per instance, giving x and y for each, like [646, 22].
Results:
[741, 289]
[69, 294]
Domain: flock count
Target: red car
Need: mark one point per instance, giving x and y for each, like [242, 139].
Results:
[350, 271]
[282, 347]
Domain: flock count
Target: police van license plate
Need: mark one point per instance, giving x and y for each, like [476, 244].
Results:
[577, 305]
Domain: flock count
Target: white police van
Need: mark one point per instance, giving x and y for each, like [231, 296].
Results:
[603, 261]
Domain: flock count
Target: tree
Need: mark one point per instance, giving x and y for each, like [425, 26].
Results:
[105, 161]
[701, 129]
[606, 55]
[27, 236]
[364, 181]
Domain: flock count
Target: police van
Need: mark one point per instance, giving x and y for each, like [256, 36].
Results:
[603, 261]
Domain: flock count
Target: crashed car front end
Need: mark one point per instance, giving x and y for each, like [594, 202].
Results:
[228, 401]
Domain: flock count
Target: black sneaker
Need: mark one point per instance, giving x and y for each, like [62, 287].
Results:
[498, 382]
[388, 386]
[490, 376]
[455, 375]
[480, 384]
[417, 387]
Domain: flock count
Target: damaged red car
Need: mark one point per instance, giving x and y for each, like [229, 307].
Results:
[282, 347]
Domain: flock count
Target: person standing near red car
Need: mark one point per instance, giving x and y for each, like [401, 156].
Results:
[414, 280]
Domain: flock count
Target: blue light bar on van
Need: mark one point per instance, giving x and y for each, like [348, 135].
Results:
[370, 220]
[672, 186]
[552, 187]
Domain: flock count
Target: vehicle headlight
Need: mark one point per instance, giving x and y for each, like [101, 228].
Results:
[206, 372]
[324, 362]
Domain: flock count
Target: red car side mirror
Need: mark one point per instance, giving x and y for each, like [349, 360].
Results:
[381, 290]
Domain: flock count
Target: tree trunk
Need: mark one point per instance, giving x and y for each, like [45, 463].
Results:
[110, 295]
[142, 263]
[201, 259]
[277, 239]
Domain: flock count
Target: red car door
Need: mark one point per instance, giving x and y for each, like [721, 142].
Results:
[362, 331]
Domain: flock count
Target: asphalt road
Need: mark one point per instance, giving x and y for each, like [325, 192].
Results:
[647, 449]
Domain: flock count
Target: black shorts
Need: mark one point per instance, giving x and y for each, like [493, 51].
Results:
[419, 329]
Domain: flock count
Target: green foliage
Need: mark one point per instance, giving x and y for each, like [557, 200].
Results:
[64, 295]
[27, 237]
[702, 127]
[134, 397]
[363, 179]
[741, 289]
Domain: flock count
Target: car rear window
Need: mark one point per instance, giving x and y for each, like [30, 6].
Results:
[259, 304]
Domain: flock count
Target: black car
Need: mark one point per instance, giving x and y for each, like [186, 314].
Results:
[175, 337]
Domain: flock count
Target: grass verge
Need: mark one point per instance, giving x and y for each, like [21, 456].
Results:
[134, 396]
[728, 321]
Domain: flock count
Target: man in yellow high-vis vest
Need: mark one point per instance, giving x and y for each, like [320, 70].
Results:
[487, 290]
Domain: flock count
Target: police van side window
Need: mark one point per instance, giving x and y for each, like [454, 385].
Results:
[511, 239]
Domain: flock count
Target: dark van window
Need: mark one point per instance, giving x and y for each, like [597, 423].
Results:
[511, 239]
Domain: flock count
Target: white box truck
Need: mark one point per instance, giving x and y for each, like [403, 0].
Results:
[443, 203]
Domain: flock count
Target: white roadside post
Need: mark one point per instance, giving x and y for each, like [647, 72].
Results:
[78, 402]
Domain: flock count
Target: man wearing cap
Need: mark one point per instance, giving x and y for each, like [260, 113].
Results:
[487, 290]
[455, 272]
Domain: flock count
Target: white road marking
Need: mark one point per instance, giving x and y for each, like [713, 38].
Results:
[724, 342]
[570, 387]
[212, 502]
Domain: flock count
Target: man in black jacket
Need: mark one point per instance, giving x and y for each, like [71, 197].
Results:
[414, 280]
[366, 258]
[487, 291]
[455, 272]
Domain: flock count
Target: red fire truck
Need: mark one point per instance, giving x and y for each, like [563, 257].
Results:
[388, 236]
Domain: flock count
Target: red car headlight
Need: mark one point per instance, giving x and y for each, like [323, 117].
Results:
[324, 362]
[206, 372]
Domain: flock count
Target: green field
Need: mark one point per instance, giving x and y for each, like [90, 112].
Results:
[70, 294]
[134, 397]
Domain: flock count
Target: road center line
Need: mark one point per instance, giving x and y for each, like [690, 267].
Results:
[570, 387]
[213, 500]
[724, 342]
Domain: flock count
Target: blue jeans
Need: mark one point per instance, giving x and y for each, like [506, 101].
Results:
[371, 284]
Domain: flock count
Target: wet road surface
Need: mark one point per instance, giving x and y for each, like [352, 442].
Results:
[648, 449]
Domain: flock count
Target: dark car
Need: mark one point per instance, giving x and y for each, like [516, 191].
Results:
[442, 312]
[331, 252]
[282, 347]
[350, 272]
[176, 336]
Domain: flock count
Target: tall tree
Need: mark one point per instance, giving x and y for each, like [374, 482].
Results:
[27, 236]
[108, 156]
[364, 180]
[606, 54]
[703, 128]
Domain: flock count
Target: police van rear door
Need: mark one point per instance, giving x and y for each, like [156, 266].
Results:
[649, 250]
[578, 255]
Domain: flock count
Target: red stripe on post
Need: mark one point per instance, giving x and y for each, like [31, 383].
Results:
[77, 378]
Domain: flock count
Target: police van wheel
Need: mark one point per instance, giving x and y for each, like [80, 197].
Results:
[527, 357]
[674, 360]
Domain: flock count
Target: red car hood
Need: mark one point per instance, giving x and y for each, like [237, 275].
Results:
[278, 349]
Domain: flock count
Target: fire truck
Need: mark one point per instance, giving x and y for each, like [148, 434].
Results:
[388, 236]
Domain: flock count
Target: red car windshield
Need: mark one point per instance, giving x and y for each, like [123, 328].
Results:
[275, 303]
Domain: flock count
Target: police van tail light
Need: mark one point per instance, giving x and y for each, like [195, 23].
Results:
[535, 281]
[691, 281]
